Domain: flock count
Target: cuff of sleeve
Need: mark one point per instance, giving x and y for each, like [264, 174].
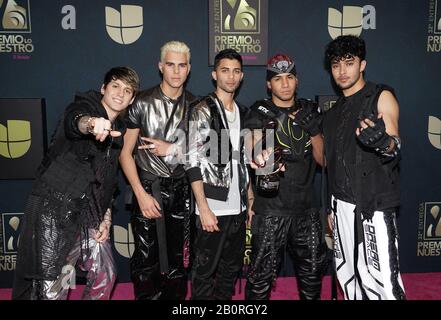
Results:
[75, 122]
[194, 174]
[131, 125]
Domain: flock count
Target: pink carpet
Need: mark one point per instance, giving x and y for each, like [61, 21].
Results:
[418, 286]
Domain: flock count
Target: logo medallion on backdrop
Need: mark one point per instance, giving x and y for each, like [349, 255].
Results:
[241, 25]
[22, 137]
[434, 131]
[352, 20]
[123, 240]
[125, 26]
[434, 27]
[429, 229]
[10, 224]
[15, 138]
[15, 27]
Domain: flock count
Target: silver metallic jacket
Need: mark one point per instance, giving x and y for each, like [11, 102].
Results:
[210, 151]
[160, 117]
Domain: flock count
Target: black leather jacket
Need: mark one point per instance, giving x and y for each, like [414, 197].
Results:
[207, 116]
[74, 187]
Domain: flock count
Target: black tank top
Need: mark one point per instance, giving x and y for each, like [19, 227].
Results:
[377, 180]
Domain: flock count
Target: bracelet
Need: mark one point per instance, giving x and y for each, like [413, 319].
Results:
[397, 147]
[79, 116]
[397, 142]
[89, 126]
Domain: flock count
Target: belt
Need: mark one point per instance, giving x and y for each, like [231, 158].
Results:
[160, 224]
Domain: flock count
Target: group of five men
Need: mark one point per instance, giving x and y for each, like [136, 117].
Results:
[183, 154]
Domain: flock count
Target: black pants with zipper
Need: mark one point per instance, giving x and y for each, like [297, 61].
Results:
[218, 258]
[302, 235]
[148, 281]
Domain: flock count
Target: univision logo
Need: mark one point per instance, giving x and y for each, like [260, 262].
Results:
[434, 132]
[15, 138]
[352, 21]
[123, 240]
[124, 27]
[15, 16]
[239, 15]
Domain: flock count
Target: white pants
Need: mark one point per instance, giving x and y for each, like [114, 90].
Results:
[378, 275]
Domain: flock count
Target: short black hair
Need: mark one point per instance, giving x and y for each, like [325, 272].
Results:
[227, 54]
[344, 47]
[125, 74]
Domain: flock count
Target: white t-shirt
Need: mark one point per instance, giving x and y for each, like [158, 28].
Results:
[232, 205]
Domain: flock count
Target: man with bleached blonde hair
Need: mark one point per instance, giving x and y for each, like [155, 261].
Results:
[177, 47]
[160, 212]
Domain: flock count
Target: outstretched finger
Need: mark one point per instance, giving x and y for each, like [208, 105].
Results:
[147, 139]
[363, 124]
[157, 204]
[104, 135]
[369, 122]
[115, 133]
[293, 114]
[103, 236]
[149, 146]
[253, 165]
[260, 160]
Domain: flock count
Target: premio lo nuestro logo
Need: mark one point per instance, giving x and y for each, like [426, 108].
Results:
[240, 15]
[15, 21]
[15, 16]
[434, 26]
[10, 225]
[429, 229]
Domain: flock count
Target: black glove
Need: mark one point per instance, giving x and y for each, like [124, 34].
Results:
[308, 117]
[375, 137]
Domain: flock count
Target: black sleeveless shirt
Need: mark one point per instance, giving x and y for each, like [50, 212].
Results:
[357, 174]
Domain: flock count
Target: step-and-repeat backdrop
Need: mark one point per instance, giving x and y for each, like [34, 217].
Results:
[51, 49]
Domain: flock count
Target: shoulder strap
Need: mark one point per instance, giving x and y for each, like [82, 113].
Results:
[217, 125]
[172, 114]
[266, 109]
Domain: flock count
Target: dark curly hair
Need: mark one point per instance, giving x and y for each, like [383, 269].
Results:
[344, 47]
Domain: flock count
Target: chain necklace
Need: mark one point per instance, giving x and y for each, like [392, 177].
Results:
[234, 114]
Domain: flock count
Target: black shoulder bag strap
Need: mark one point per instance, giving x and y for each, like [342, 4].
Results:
[267, 110]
